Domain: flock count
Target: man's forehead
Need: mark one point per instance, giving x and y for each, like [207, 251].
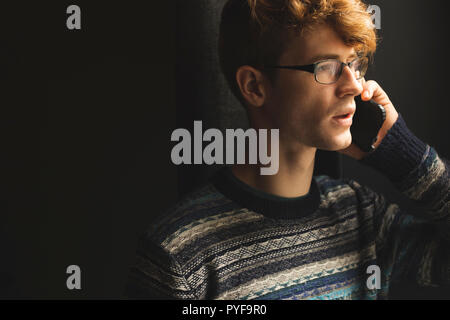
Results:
[324, 56]
[320, 43]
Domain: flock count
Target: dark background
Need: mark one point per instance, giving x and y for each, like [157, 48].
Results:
[86, 118]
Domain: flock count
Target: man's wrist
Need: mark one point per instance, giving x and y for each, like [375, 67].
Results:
[390, 121]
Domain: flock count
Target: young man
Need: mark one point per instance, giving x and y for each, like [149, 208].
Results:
[292, 235]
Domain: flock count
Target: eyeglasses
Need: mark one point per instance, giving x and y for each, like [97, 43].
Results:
[329, 71]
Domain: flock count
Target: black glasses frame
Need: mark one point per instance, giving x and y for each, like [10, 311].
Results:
[311, 68]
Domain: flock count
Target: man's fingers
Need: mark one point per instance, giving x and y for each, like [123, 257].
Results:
[373, 91]
[369, 89]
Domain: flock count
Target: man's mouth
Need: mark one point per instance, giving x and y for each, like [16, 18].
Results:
[344, 116]
[345, 120]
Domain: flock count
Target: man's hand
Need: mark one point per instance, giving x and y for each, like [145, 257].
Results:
[372, 91]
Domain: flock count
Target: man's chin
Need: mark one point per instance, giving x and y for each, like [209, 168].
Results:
[328, 139]
[337, 144]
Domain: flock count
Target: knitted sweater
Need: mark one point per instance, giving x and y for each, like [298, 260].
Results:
[230, 241]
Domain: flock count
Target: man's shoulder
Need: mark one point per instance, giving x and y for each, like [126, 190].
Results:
[345, 189]
[202, 206]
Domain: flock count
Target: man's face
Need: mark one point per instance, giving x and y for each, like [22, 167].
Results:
[305, 110]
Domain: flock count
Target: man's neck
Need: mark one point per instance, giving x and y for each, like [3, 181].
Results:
[292, 180]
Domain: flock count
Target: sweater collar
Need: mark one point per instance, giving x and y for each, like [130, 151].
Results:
[269, 205]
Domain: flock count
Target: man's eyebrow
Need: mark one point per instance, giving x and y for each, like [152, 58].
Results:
[321, 57]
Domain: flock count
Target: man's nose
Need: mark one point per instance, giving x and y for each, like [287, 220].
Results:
[348, 84]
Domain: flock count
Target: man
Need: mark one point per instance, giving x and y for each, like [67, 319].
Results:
[292, 235]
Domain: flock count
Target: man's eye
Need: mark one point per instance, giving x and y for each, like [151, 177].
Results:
[356, 64]
[326, 67]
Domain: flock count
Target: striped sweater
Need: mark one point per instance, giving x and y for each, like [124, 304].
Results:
[229, 241]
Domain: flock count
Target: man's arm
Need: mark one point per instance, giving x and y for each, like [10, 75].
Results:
[155, 274]
[412, 166]
[415, 169]
[413, 247]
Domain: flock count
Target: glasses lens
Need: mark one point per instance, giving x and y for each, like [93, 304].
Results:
[359, 67]
[328, 71]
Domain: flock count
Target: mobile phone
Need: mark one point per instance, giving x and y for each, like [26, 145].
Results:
[367, 122]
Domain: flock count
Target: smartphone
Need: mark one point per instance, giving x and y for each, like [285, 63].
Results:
[367, 122]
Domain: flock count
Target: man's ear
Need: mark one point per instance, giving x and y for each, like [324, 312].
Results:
[253, 85]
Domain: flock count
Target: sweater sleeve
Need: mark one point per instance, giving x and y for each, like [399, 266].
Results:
[155, 274]
[413, 245]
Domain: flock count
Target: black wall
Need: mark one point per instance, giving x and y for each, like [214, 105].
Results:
[86, 123]
[86, 118]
